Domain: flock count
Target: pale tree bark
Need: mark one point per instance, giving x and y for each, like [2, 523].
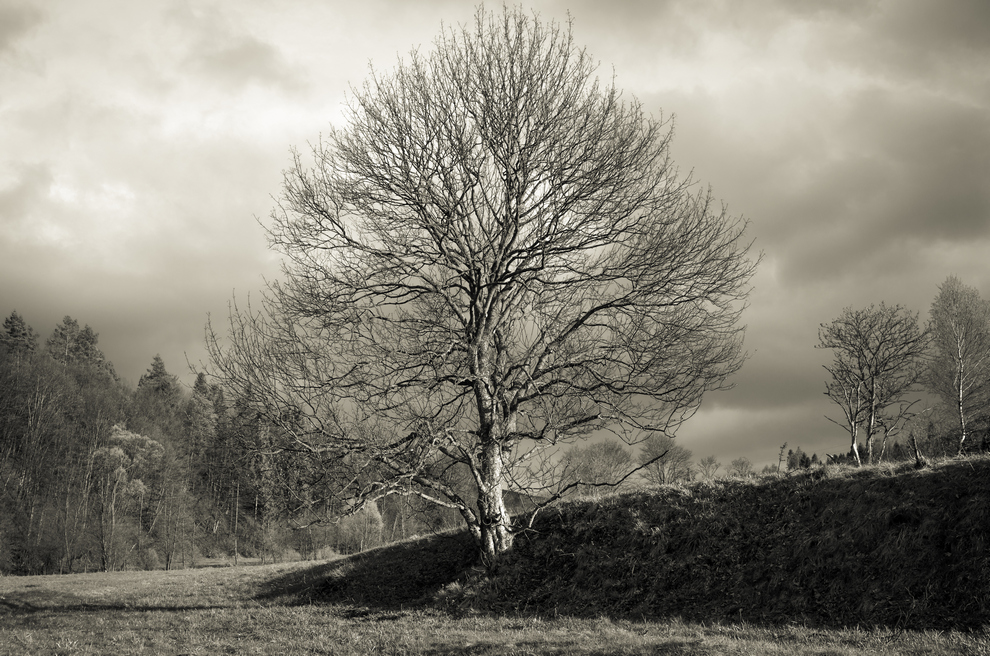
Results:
[846, 391]
[959, 369]
[494, 256]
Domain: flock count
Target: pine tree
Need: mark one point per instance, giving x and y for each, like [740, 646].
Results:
[70, 344]
[17, 336]
[158, 380]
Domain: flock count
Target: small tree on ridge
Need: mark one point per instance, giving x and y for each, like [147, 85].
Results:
[959, 370]
[877, 362]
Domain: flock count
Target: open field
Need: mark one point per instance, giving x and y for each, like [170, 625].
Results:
[887, 560]
[236, 611]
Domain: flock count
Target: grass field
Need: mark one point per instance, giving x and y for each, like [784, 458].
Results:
[237, 611]
[784, 565]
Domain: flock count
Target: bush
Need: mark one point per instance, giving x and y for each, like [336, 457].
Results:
[148, 559]
[325, 553]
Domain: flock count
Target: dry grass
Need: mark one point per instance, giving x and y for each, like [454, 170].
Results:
[228, 611]
[839, 562]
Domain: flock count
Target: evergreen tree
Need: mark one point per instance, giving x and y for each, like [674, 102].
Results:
[159, 381]
[17, 335]
[157, 402]
[200, 421]
[70, 344]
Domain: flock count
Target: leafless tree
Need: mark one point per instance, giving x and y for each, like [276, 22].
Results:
[664, 460]
[741, 467]
[594, 469]
[846, 390]
[877, 363]
[707, 467]
[959, 370]
[493, 256]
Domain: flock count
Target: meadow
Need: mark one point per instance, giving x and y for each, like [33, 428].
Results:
[426, 596]
[229, 611]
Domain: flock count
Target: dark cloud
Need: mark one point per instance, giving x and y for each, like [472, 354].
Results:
[16, 20]
[896, 173]
[922, 40]
[757, 434]
[934, 153]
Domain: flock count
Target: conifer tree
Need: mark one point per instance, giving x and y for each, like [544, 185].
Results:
[70, 344]
[17, 335]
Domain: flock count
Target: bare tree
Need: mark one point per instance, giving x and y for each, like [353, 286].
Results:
[741, 467]
[664, 460]
[495, 255]
[595, 468]
[877, 363]
[959, 370]
[707, 467]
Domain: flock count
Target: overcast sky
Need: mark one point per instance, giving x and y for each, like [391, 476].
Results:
[140, 141]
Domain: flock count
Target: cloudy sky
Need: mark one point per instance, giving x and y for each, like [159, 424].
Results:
[140, 142]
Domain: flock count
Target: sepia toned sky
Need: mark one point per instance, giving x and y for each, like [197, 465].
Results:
[140, 143]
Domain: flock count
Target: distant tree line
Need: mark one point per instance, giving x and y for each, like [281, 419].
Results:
[95, 475]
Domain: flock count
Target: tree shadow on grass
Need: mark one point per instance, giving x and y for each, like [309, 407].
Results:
[393, 577]
[15, 607]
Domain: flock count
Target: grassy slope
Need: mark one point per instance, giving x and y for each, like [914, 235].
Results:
[833, 547]
[887, 547]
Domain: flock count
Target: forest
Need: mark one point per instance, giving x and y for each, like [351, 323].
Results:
[95, 475]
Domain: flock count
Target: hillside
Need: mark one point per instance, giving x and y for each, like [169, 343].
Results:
[830, 547]
[890, 547]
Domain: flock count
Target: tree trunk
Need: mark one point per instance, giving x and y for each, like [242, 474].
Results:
[919, 460]
[854, 449]
[871, 429]
[496, 423]
[495, 530]
[962, 417]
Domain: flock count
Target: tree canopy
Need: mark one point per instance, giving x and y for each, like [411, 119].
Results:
[70, 344]
[495, 254]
